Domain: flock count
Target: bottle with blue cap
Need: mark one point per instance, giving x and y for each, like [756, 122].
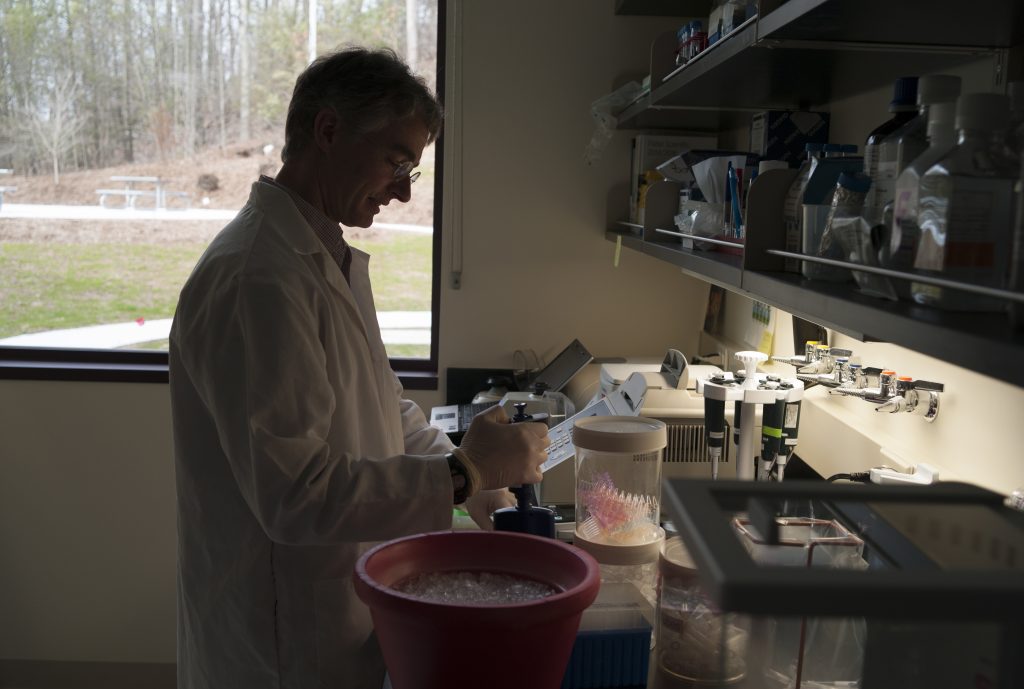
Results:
[903, 107]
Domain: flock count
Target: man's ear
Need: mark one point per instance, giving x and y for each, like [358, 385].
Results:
[326, 128]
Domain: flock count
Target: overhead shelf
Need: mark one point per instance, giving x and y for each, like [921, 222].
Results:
[746, 74]
[664, 8]
[807, 53]
[718, 268]
[935, 24]
[982, 342]
[642, 115]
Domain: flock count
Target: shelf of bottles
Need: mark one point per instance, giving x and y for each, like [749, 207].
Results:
[942, 288]
[925, 301]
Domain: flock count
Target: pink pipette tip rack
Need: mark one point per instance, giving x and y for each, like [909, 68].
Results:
[613, 514]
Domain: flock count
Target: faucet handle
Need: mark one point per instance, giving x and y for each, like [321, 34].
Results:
[928, 385]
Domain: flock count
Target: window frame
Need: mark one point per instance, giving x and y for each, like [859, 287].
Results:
[139, 366]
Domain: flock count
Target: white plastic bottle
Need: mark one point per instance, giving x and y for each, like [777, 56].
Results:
[792, 208]
[966, 209]
[898, 252]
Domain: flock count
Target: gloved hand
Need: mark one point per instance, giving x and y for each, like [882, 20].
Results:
[481, 505]
[503, 453]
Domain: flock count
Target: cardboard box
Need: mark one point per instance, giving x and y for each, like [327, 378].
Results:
[782, 134]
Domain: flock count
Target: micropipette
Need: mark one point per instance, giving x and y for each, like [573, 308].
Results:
[714, 428]
[525, 517]
[790, 426]
[771, 436]
[737, 409]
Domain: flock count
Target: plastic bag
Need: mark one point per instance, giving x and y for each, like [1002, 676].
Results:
[700, 219]
[605, 112]
[854, 238]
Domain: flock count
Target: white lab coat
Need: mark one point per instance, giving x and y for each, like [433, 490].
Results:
[294, 452]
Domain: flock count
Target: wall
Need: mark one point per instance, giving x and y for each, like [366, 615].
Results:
[537, 271]
[87, 533]
[87, 529]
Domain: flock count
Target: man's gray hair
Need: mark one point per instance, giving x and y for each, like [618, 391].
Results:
[368, 89]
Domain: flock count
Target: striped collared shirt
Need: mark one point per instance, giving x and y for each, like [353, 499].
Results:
[329, 232]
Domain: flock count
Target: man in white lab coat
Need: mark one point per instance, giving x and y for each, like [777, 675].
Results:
[294, 449]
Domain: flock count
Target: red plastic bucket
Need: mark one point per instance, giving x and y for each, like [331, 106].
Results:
[432, 645]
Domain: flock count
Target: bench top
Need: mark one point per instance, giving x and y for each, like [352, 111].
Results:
[3, 189]
[128, 192]
[129, 178]
[6, 171]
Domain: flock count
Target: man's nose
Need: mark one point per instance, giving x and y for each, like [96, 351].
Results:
[401, 189]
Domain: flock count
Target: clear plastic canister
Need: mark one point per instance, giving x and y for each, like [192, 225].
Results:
[618, 481]
[698, 646]
[617, 502]
[618, 496]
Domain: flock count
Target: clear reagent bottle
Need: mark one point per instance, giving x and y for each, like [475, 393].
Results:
[898, 252]
[966, 209]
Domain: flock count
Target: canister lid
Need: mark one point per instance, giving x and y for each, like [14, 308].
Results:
[676, 562]
[610, 554]
[632, 434]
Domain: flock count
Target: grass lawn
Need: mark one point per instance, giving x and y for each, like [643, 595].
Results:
[50, 286]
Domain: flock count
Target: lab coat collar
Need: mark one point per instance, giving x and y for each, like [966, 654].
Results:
[280, 209]
[278, 205]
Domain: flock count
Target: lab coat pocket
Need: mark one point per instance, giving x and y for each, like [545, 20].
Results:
[347, 651]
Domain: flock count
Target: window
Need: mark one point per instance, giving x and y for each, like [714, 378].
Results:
[130, 133]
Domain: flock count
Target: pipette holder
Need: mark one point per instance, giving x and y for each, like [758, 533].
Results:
[752, 389]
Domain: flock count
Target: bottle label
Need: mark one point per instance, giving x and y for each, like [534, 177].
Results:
[905, 197]
[967, 236]
[792, 209]
[885, 182]
[871, 160]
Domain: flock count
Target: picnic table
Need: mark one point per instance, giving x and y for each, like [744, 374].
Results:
[131, 191]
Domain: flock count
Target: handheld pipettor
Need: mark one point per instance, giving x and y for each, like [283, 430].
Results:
[525, 517]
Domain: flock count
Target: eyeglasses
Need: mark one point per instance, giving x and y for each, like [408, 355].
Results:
[405, 170]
